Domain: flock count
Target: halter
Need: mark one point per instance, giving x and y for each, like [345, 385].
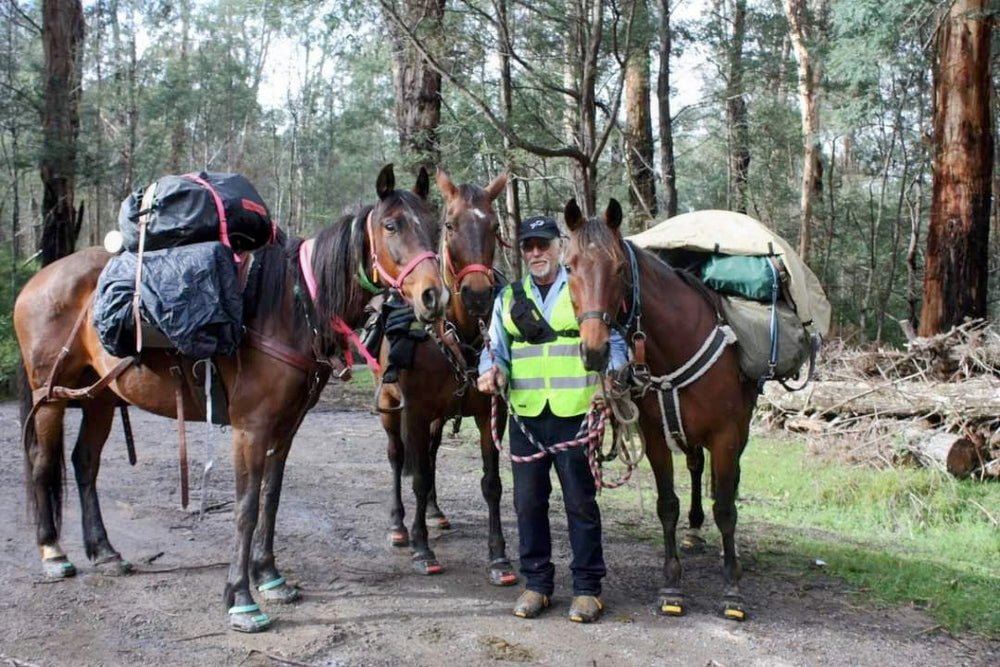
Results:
[377, 267]
[458, 276]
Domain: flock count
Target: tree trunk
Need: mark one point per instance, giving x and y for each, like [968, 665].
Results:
[943, 450]
[62, 37]
[955, 278]
[736, 114]
[178, 134]
[803, 24]
[639, 127]
[667, 168]
[417, 85]
[512, 200]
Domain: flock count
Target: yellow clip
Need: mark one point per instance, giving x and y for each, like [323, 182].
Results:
[375, 274]
[736, 614]
[672, 609]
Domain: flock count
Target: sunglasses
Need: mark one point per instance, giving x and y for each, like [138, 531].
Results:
[528, 245]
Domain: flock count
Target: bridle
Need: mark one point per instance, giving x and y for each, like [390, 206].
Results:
[458, 276]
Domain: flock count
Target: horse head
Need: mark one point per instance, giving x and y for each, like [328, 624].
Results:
[402, 235]
[469, 241]
[597, 279]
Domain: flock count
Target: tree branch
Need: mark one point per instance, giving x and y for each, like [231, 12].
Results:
[27, 19]
[503, 128]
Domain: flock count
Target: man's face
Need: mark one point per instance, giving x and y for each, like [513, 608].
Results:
[542, 258]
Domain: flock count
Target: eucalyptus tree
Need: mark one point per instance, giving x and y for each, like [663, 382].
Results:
[638, 121]
[955, 277]
[62, 37]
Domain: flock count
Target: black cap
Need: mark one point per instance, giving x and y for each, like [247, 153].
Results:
[538, 227]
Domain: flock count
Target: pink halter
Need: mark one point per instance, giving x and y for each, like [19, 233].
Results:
[457, 276]
[378, 269]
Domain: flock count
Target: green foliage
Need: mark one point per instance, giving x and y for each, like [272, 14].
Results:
[12, 278]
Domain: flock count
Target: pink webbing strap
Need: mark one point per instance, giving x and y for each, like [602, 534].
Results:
[471, 268]
[338, 324]
[396, 282]
[219, 207]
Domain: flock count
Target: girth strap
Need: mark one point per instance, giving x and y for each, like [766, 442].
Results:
[692, 370]
[279, 351]
[178, 374]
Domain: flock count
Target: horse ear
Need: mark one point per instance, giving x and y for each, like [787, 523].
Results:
[386, 182]
[613, 214]
[573, 215]
[497, 186]
[447, 188]
[422, 187]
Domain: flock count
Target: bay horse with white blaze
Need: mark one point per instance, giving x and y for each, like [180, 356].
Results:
[685, 375]
[439, 384]
[271, 382]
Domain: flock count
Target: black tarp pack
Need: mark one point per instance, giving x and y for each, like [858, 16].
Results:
[190, 294]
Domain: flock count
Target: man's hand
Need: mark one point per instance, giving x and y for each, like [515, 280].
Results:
[491, 380]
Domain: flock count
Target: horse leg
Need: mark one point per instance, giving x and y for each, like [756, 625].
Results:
[501, 572]
[668, 508]
[263, 571]
[398, 535]
[98, 415]
[725, 478]
[416, 435]
[693, 541]
[434, 512]
[249, 452]
[44, 479]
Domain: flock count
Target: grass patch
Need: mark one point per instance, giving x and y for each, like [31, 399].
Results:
[905, 536]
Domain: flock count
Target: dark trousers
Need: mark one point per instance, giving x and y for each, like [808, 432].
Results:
[532, 487]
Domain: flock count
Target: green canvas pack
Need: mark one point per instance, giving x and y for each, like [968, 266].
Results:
[749, 277]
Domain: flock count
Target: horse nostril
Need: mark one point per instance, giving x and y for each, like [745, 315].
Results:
[429, 298]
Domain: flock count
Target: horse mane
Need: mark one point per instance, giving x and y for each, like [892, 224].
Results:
[337, 253]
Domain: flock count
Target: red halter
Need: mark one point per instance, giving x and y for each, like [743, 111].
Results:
[457, 276]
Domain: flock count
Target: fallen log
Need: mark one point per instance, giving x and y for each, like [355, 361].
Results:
[973, 399]
[940, 449]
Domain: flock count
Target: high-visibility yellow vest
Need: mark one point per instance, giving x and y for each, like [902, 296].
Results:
[550, 372]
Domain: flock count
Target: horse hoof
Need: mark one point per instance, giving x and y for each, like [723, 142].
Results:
[671, 603]
[693, 544]
[398, 538]
[443, 523]
[733, 609]
[427, 566]
[247, 618]
[114, 566]
[278, 590]
[58, 568]
[502, 574]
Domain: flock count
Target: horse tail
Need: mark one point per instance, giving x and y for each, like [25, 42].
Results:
[29, 438]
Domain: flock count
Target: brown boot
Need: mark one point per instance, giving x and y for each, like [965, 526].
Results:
[585, 609]
[530, 604]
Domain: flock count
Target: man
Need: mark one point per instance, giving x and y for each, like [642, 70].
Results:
[535, 339]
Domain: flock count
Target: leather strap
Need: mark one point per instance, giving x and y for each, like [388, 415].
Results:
[147, 202]
[178, 374]
[279, 351]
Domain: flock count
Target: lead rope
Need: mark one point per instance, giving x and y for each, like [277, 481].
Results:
[591, 432]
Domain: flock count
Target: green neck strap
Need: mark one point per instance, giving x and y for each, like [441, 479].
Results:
[367, 284]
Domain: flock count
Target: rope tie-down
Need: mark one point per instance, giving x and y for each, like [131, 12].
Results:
[616, 407]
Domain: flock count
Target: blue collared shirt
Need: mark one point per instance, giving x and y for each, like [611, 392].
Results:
[500, 339]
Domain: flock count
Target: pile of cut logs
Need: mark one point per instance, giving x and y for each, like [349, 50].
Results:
[936, 403]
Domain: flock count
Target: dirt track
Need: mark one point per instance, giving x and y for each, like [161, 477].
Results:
[363, 605]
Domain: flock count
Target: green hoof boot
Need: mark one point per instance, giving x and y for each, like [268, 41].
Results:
[246, 619]
[277, 590]
[427, 565]
[114, 566]
[58, 568]
[398, 538]
[692, 543]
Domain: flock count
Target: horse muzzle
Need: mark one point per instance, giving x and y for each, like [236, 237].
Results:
[477, 303]
[595, 359]
[432, 304]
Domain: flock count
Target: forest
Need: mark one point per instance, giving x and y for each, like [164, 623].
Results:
[824, 119]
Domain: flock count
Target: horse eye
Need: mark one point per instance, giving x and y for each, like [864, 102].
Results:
[390, 225]
[449, 226]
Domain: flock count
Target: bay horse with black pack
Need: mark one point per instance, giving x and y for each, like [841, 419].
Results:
[272, 380]
[441, 381]
[684, 375]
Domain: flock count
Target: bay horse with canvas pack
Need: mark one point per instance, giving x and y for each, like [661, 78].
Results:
[271, 382]
[684, 374]
[441, 382]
